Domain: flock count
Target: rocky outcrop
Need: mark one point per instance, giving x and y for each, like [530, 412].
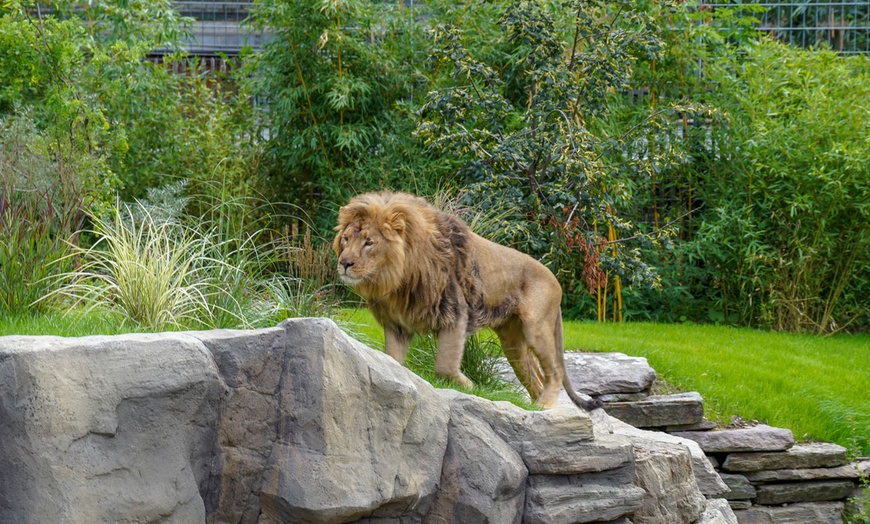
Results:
[368, 435]
[301, 423]
[106, 429]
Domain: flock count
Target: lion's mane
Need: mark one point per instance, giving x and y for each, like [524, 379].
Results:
[428, 259]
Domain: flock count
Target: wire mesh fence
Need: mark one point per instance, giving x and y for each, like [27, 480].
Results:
[218, 27]
[843, 25]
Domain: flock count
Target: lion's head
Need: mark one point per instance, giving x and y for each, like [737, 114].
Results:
[375, 234]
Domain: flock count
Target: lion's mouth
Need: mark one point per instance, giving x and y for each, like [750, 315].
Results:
[349, 279]
[352, 281]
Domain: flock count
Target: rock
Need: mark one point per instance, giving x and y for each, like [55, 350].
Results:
[105, 429]
[482, 480]
[849, 471]
[740, 504]
[718, 511]
[603, 373]
[802, 513]
[739, 487]
[569, 499]
[505, 419]
[705, 475]
[664, 470]
[369, 434]
[560, 442]
[704, 425]
[815, 491]
[754, 438]
[622, 397]
[801, 456]
[660, 410]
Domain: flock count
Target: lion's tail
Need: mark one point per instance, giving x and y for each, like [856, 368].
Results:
[582, 400]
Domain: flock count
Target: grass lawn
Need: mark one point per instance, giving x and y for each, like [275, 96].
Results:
[819, 387]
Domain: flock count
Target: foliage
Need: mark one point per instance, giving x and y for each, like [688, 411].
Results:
[786, 231]
[155, 272]
[335, 82]
[526, 132]
[41, 211]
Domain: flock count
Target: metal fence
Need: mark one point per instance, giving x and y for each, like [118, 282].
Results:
[217, 27]
[844, 26]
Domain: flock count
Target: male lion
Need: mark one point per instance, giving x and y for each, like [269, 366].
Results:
[422, 270]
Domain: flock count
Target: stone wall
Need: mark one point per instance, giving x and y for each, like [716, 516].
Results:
[769, 478]
[300, 423]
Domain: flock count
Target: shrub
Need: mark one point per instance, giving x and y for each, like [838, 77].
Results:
[786, 227]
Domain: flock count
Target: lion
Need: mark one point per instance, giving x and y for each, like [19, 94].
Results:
[424, 271]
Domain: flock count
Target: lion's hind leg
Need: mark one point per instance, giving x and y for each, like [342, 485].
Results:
[523, 361]
[541, 340]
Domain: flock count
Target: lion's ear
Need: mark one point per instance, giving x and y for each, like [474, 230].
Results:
[396, 223]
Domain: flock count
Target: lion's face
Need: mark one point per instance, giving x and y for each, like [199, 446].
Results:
[367, 259]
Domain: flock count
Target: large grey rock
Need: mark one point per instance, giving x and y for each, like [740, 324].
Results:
[802, 513]
[754, 438]
[815, 491]
[849, 471]
[105, 429]
[664, 471]
[561, 442]
[570, 499]
[354, 433]
[739, 487]
[800, 456]
[482, 479]
[603, 373]
[705, 475]
[660, 410]
[718, 511]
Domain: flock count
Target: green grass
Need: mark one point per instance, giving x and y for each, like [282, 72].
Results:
[815, 386]
[819, 387]
[78, 323]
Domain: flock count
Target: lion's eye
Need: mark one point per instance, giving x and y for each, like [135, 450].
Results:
[369, 242]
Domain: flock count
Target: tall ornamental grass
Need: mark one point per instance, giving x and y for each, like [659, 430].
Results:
[158, 273]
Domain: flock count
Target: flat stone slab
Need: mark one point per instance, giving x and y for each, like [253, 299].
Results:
[704, 425]
[803, 513]
[749, 439]
[815, 491]
[569, 499]
[800, 456]
[849, 471]
[660, 410]
[603, 373]
[739, 487]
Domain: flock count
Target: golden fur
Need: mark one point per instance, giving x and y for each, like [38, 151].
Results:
[422, 270]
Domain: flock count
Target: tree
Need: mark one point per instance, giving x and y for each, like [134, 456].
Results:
[526, 130]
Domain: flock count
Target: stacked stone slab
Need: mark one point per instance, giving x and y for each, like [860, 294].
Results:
[768, 478]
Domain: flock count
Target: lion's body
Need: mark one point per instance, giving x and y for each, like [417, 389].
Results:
[422, 270]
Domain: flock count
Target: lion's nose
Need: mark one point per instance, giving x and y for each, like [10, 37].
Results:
[345, 264]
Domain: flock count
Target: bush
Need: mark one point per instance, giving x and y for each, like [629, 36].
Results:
[786, 228]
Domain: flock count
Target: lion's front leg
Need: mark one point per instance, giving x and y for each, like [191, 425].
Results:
[451, 346]
[396, 344]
